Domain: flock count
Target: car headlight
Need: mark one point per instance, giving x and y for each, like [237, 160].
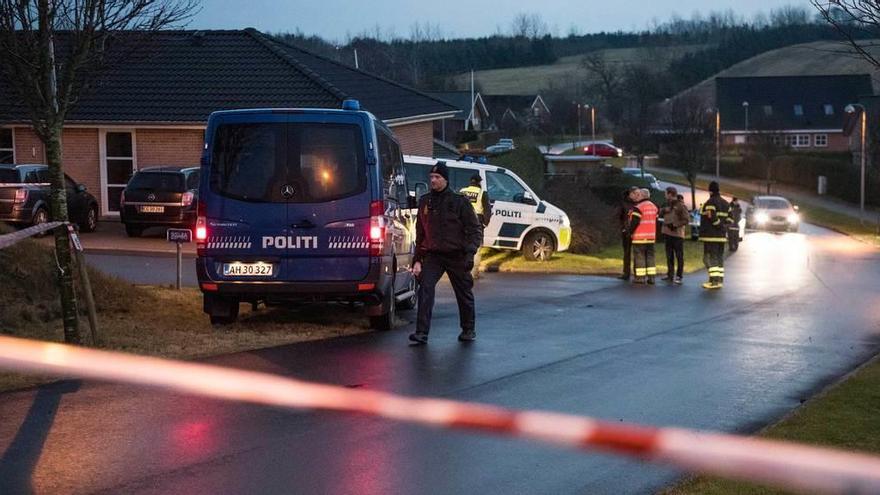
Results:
[793, 218]
[566, 222]
[762, 217]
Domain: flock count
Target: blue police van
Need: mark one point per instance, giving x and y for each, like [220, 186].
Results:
[304, 205]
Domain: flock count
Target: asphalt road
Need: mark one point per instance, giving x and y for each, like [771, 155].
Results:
[796, 312]
[146, 269]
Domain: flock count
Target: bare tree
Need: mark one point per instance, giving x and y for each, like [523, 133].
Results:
[642, 86]
[858, 21]
[50, 52]
[530, 26]
[687, 130]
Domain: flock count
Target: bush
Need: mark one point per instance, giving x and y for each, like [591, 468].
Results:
[804, 170]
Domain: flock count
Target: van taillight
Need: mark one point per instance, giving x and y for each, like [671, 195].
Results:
[21, 196]
[377, 228]
[187, 198]
[201, 223]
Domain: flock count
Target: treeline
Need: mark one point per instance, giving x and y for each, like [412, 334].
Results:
[428, 59]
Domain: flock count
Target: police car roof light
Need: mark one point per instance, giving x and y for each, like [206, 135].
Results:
[351, 104]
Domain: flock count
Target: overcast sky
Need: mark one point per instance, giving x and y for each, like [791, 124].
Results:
[334, 19]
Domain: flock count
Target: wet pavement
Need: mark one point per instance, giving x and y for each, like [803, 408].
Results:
[797, 311]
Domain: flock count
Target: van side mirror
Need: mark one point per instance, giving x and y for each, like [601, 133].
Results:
[421, 189]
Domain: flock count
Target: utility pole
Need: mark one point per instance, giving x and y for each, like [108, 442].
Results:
[717, 143]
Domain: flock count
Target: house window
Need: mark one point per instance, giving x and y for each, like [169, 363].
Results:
[800, 140]
[739, 139]
[799, 110]
[7, 150]
[820, 140]
[776, 140]
[768, 110]
[829, 109]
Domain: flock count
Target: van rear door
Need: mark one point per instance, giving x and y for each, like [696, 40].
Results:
[329, 211]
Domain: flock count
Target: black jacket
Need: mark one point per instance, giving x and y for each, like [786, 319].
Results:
[713, 219]
[446, 225]
[623, 216]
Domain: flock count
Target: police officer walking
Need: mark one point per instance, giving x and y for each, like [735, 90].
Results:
[643, 230]
[733, 227]
[713, 223]
[447, 238]
[480, 201]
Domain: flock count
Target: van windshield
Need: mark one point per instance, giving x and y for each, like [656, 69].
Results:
[288, 163]
[772, 204]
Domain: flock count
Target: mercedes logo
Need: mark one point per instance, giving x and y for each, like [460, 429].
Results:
[151, 197]
[287, 191]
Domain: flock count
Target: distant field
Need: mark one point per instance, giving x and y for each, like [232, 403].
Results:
[533, 79]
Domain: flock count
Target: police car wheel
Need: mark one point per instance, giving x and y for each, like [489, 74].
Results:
[538, 246]
[385, 321]
[90, 223]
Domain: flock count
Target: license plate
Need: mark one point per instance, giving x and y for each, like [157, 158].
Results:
[152, 209]
[239, 269]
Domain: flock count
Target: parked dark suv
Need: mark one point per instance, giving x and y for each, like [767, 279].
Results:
[24, 198]
[160, 197]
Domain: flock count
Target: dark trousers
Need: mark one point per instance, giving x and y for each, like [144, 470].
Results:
[627, 241]
[733, 239]
[433, 267]
[643, 260]
[674, 252]
[713, 258]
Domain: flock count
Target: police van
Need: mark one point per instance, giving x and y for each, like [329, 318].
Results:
[303, 205]
[521, 221]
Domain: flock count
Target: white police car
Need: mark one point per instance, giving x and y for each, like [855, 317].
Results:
[520, 220]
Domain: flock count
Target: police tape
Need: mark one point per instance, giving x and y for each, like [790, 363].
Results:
[7, 240]
[791, 466]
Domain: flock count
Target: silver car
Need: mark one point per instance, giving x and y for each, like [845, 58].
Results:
[772, 213]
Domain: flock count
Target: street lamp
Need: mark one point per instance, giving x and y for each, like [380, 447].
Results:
[592, 126]
[851, 109]
[717, 143]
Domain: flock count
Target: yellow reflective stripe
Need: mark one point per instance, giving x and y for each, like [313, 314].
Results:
[713, 239]
[643, 241]
[652, 271]
[641, 272]
[722, 214]
[635, 213]
[708, 207]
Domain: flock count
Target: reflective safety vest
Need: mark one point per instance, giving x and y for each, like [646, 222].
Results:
[646, 231]
[474, 194]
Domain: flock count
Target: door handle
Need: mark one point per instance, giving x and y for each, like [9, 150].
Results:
[305, 224]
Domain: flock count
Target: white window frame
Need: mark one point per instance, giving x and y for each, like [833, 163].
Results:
[11, 130]
[102, 150]
[800, 140]
[824, 138]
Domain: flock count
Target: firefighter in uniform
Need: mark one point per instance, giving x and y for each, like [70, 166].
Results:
[713, 224]
[480, 201]
[643, 231]
[447, 238]
[733, 224]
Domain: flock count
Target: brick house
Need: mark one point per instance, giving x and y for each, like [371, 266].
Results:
[152, 108]
[510, 113]
[805, 113]
[468, 118]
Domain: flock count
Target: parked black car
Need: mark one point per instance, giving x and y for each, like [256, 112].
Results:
[24, 198]
[160, 197]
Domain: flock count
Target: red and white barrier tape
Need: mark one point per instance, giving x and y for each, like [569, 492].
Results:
[7, 240]
[790, 466]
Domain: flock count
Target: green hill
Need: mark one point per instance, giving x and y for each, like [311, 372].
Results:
[533, 79]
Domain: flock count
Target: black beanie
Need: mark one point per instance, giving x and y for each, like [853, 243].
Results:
[441, 169]
[713, 187]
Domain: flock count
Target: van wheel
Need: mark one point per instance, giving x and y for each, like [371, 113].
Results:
[221, 311]
[385, 322]
[410, 302]
[132, 231]
[538, 246]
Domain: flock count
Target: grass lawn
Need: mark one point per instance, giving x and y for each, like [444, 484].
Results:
[150, 320]
[813, 214]
[846, 416]
[606, 262]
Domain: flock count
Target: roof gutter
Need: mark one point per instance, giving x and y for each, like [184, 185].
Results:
[420, 118]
